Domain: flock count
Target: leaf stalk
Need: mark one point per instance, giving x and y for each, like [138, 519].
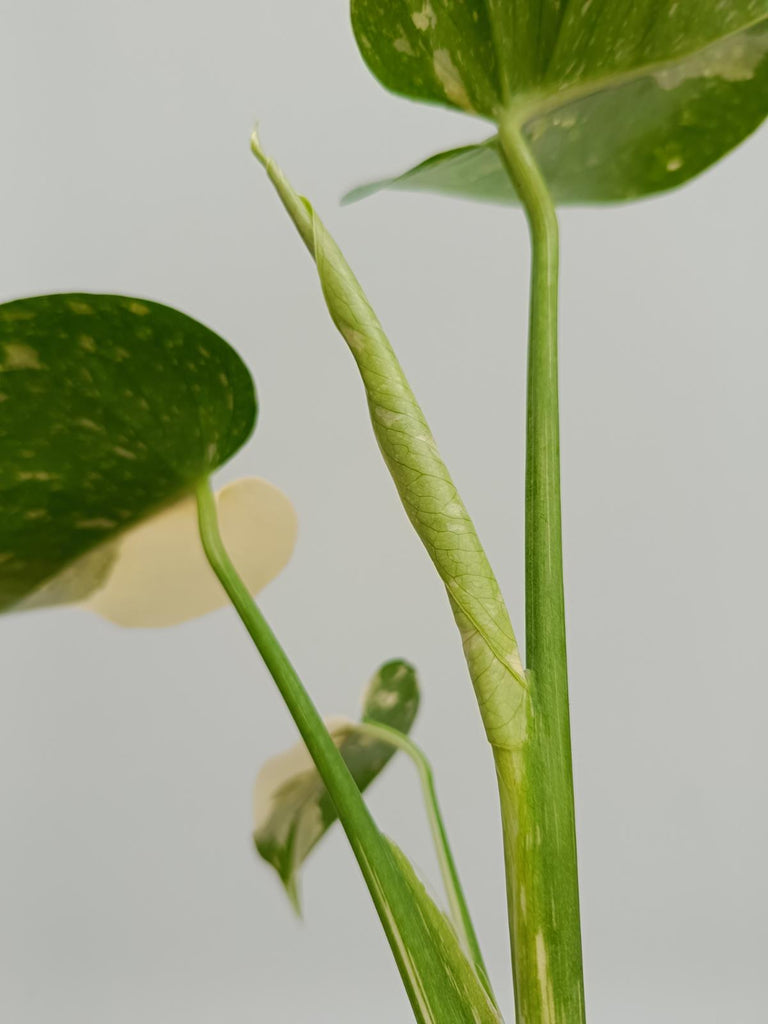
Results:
[426, 970]
[536, 783]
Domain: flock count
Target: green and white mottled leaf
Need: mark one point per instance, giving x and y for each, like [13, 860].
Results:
[111, 408]
[292, 808]
[617, 99]
[292, 813]
[429, 495]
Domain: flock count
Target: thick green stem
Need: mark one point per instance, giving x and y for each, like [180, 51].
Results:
[536, 782]
[459, 910]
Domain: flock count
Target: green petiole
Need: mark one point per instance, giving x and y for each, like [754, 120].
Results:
[537, 788]
[457, 903]
[440, 983]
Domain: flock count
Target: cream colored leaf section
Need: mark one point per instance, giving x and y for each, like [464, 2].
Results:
[160, 576]
[77, 582]
[291, 809]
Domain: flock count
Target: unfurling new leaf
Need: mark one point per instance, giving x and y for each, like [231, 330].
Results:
[429, 495]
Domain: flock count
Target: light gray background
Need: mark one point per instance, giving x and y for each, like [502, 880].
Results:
[128, 887]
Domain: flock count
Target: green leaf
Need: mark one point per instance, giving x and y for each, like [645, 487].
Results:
[111, 408]
[437, 50]
[617, 99]
[292, 808]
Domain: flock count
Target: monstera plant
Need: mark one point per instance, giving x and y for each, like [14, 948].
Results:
[115, 412]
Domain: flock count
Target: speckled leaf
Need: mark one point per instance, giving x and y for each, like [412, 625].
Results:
[292, 809]
[436, 50]
[618, 99]
[110, 408]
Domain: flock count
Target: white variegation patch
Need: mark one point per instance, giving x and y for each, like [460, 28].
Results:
[733, 59]
[425, 18]
[20, 357]
[449, 78]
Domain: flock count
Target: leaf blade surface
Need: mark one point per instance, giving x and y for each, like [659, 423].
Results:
[112, 407]
[618, 99]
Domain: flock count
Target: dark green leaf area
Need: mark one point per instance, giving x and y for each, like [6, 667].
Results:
[655, 132]
[644, 135]
[484, 56]
[439, 50]
[596, 39]
[392, 697]
[110, 407]
[299, 810]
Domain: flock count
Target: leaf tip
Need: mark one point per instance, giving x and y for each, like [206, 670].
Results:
[294, 896]
[354, 195]
[256, 148]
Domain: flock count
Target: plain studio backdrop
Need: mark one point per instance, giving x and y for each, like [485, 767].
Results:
[129, 888]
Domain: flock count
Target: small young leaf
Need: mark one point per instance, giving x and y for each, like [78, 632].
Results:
[111, 408]
[292, 809]
[617, 100]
